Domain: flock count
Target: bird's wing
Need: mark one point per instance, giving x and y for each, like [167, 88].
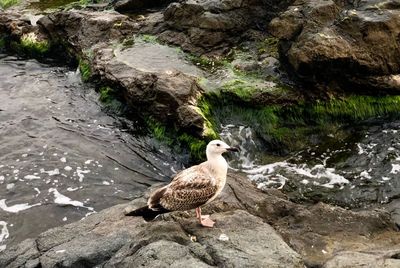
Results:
[190, 191]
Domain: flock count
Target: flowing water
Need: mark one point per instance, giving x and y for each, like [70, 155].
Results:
[360, 171]
[62, 156]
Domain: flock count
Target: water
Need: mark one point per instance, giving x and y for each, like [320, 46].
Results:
[62, 157]
[361, 171]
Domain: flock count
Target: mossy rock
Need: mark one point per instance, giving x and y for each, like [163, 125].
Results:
[31, 45]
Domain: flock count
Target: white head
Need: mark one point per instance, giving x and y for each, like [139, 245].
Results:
[217, 147]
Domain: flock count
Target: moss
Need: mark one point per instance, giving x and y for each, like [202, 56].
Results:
[30, 45]
[206, 63]
[84, 68]
[107, 94]
[148, 38]
[2, 42]
[178, 140]
[269, 46]
[51, 4]
[8, 3]
[197, 147]
[295, 126]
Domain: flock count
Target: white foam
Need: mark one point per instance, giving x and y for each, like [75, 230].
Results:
[63, 159]
[68, 168]
[4, 231]
[80, 173]
[50, 172]
[10, 186]
[106, 183]
[64, 200]
[16, 208]
[87, 162]
[31, 177]
[4, 234]
[2, 178]
[71, 189]
[395, 168]
[365, 174]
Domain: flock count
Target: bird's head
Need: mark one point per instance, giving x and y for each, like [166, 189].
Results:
[217, 147]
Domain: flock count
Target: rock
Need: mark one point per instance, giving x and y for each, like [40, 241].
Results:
[250, 225]
[82, 30]
[135, 5]
[167, 90]
[111, 239]
[211, 25]
[388, 259]
[350, 46]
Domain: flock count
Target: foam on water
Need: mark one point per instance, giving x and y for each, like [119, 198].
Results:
[4, 234]
[268, 175]
[16, 208]
[64, 200]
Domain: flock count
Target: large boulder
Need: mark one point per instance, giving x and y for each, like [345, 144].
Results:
[201, 26]
[341, 44]
[136, 5]
[110, 239]
[81, 30]
[250, 225]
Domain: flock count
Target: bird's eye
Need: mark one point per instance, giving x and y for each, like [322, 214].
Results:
[218, 144]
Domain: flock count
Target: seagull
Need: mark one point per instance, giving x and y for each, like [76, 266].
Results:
[192, 187]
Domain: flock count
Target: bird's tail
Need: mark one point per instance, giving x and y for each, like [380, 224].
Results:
[147, 213]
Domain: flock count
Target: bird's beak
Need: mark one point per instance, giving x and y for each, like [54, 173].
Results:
[233, 149]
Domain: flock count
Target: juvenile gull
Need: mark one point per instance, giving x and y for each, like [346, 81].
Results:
[192, 187]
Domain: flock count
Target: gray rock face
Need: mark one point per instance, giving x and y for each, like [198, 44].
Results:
[163, 91]
[350, 45]
[135, 5]
[110, 239]
[208, 25]
[81, 30]
[322, 234]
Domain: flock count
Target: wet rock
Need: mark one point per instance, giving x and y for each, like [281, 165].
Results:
[250, 225]
[167, 91]
[135, 5]
[343, 45]
[209, 25]
[387, 258]
[81, 30]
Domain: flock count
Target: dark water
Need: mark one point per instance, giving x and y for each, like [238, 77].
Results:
[62, 156]
[358, 171]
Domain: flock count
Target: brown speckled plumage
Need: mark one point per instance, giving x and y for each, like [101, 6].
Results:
[189, 189]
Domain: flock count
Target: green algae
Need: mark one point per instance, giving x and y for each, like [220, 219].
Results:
[292, 126]
[8, 3]
[84, 68]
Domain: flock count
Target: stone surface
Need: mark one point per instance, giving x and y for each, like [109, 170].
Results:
[168, 92]
[250, 225]
[352, 46]
[201, 26]
[81, 30]
[137, 5]
[388, 259]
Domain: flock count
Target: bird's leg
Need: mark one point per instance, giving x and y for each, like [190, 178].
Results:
[205, 219]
